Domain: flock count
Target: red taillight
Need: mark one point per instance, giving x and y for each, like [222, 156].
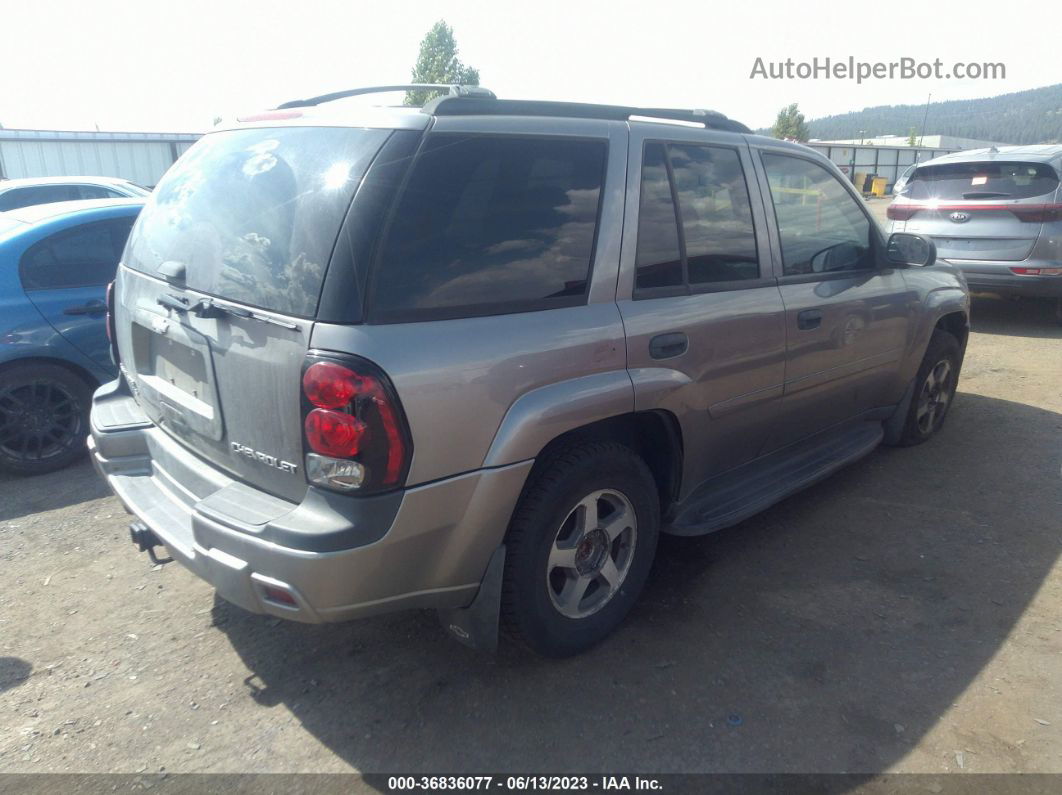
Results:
[1036, 213]
[271, 115]
[334, 433]
[354, 427]
[110, 311]
[1027, 213]
[112, 336]
[330, 386]
[900, 212]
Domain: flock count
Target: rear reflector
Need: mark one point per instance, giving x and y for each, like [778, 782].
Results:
[278, 595]
[1037, 271]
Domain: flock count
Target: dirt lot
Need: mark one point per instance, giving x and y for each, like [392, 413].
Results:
[905, 615]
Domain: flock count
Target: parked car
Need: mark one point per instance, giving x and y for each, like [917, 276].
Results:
[905, 175]
[55, 263]
[475, 356]
[16, 193]
[996, 214]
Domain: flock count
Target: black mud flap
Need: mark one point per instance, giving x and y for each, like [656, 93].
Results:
[894, 424]
[477, 625]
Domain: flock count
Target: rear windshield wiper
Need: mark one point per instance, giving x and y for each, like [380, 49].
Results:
[208, 308]
[985, 194]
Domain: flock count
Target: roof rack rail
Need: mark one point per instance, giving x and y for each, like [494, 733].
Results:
[453, 90]
[457, 105]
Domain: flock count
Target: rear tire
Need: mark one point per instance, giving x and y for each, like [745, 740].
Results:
[934, 389]
[43, 418]
[579, 548]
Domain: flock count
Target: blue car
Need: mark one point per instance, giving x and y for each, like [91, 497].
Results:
[56, 261]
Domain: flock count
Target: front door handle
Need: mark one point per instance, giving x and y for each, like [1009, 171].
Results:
[809, 319]
[667, 346]
[91, 308]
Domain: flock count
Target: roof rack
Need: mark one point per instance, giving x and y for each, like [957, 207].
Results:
[452, 90]
[468, 105]
[461, 100]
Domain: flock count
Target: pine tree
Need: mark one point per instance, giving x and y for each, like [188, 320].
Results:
[438, 63]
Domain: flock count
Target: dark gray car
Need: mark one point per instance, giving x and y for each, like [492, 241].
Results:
[475, 356]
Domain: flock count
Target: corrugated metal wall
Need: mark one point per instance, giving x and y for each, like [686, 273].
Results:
[884, 161]
[139, 157]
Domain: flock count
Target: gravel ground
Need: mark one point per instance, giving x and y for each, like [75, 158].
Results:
[905, 615]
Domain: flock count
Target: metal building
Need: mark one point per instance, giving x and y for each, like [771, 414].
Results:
[887, 156]
[138, 157]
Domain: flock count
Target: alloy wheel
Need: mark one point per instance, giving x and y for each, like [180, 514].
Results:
[591, 553]
[38, 420]
[934, 397]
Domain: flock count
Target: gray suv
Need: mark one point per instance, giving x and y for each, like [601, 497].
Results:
[996, 214]
[475, 356]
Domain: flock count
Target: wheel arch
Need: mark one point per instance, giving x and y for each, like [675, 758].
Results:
[957, 324]
[947, 309]
[653, 435]
[73, 367]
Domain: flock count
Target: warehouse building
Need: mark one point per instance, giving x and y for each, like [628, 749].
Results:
[887, 156]
[138, 157]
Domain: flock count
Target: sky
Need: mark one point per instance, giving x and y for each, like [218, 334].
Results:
[175, 65]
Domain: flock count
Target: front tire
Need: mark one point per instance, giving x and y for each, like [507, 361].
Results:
[43, 418]
[579, 548]
[934, 389]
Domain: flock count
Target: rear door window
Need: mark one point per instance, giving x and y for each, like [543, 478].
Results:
[490, 225]
[995, 180]
[253, 214]
[86, 256]
[716, 214]
[707, 237]
[658, 262]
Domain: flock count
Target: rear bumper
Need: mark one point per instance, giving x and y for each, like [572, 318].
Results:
[998, 278]
[425, 547]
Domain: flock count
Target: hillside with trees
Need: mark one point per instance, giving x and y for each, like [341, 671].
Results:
[1024, 117]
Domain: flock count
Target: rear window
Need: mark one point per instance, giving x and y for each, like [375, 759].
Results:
[81, 257]
[487, 225]
[253, 214]
[995, 180]
[17, 198]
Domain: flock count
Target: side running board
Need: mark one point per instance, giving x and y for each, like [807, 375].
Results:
[736, 495]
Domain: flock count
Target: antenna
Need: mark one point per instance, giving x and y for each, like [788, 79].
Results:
[924, 117]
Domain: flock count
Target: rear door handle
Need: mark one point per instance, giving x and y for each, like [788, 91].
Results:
[809, 319]
[667, 346]
[91, 308]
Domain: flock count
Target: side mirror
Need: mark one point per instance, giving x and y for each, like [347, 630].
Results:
[908, 249]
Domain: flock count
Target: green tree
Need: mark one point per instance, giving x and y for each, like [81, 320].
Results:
[438, 63]
[789, 124]
[912, 137]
